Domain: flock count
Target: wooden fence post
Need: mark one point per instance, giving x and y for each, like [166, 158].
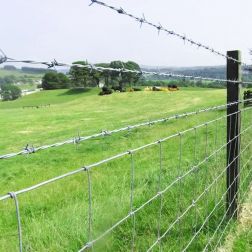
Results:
[233, 133]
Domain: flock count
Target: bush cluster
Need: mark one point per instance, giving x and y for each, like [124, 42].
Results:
[106, 91]
[118, 88]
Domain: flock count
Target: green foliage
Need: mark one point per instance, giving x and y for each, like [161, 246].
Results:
[79, 76]
[19, 78]
[83, 77]
[106, 91]
[182, 83]
[33, 70]
[10, 92]
[124, 78]
[105, 74]
[54, 80]
[9, 68]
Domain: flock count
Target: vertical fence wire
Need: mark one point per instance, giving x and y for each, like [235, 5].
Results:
[161, 197]
[209, 181]
[14, 197]
[195, 181]
[90, 211]
[133, 218]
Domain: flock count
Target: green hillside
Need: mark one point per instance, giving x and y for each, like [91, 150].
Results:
[55, 217]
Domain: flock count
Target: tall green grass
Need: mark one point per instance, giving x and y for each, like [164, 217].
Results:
[55, 217]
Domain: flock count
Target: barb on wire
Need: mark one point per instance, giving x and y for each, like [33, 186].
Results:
[126, 128]
[3, 57]
[54, 63]
[159, 28]
[88, 167]
[188, 172]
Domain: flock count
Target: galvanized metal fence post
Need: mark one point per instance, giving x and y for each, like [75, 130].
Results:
[233, 132]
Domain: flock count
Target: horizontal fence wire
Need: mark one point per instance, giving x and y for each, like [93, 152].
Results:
[198, 167]
[224, 216]
[91, 68]
[160, 193]
[31, 149]
[183, 209]
[88, 167]
[159, 28]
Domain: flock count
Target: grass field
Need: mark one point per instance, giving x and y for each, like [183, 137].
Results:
[19, 75]
[54, 217]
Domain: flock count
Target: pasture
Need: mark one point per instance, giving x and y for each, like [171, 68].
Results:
[55, 217]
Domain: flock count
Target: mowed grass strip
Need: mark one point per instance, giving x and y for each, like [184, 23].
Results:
[55, 217]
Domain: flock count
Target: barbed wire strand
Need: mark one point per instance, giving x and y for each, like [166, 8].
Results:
[88, 167]
[159, 28]
[91, 68]
[32, 150]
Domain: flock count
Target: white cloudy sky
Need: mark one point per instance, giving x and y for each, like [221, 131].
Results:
[69, 30]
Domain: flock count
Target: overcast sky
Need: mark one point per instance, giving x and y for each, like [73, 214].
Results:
[69, 30]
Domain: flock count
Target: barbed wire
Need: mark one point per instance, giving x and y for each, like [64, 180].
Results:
[142, 20]
[132, 213]
[88, 167]
[159, 194]
[91, 67]
[76, 140]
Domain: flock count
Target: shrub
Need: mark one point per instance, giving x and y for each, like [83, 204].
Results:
[119, 88]
[10, 92]
[54, 80]
[137, 89]
[156, 89]
[106, 91]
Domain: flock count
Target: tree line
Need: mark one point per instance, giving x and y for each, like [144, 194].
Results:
[84, 77]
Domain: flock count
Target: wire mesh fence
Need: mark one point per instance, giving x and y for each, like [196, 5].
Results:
[171, 194]
[168, 195]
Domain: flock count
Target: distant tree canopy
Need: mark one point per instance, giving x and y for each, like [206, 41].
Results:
[8, 79]
[10, 92]
[53, 80]
[83, 77]
[79, 75]
[9, 68]
[33, 70]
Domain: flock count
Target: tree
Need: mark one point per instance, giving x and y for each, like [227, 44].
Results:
[131, 77]
[105, 74]
[79, 75]
[53, 80]
[9, 68]
[124, 78]
[10, 92]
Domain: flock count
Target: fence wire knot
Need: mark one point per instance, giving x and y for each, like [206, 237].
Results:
[12, 195]
[29, 149]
